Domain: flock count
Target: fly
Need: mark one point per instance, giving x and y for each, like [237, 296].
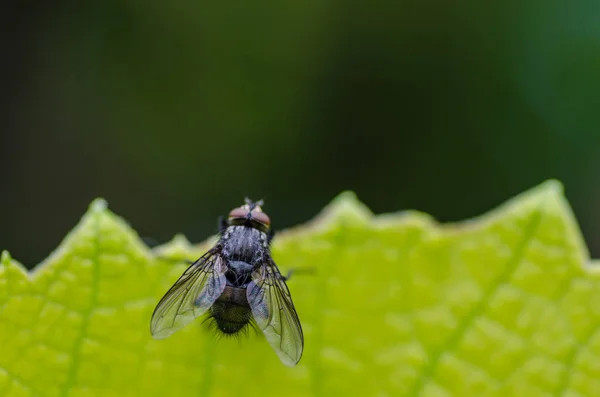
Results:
[237, 283]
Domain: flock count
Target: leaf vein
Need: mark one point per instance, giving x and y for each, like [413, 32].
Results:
[453, 340]
[76, 352]
[571, 359]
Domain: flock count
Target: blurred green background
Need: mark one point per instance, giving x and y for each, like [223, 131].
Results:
[174, 111]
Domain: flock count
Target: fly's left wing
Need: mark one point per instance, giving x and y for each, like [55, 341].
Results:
[274, 312]
[191, 296]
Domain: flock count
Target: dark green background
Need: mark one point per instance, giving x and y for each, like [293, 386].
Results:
[173, 111]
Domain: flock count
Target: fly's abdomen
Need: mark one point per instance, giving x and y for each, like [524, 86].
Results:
[231, 311]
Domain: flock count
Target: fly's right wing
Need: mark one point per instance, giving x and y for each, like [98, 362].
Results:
[191, 296]
[274, 313]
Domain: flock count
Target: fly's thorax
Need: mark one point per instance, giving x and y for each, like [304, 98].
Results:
[244, 243]
[239, 273]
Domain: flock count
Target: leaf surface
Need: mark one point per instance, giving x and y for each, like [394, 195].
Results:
[507, 304]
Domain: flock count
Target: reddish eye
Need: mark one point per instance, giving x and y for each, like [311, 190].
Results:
[261, 217]
[239, 212]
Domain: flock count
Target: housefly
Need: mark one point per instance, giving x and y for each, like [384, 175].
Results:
[238, 284]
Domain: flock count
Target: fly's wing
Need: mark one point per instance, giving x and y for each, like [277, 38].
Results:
[274, 313]
[191, 296]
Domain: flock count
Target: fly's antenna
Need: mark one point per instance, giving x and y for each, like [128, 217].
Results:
[253, 204]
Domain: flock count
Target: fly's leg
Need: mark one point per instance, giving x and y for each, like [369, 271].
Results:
[222, 224]
[299, 270]
[175, 261]
[270, 236]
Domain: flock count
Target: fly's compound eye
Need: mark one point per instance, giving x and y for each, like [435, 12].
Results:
[239, 212]
[261, 217]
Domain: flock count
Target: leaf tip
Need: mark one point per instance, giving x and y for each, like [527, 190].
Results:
[178, 245]
[98, 205]
[5, 257]
[553, 186]
[346, 207]
[8, 262]
[179, 240]
[550, 194]
[346, 196]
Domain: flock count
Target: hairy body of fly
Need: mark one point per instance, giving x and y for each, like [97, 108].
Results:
[236, 283]
[244, 247]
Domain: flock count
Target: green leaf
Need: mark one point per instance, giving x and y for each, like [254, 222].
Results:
[503, 305]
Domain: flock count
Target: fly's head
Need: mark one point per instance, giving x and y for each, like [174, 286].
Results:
[250, 214]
